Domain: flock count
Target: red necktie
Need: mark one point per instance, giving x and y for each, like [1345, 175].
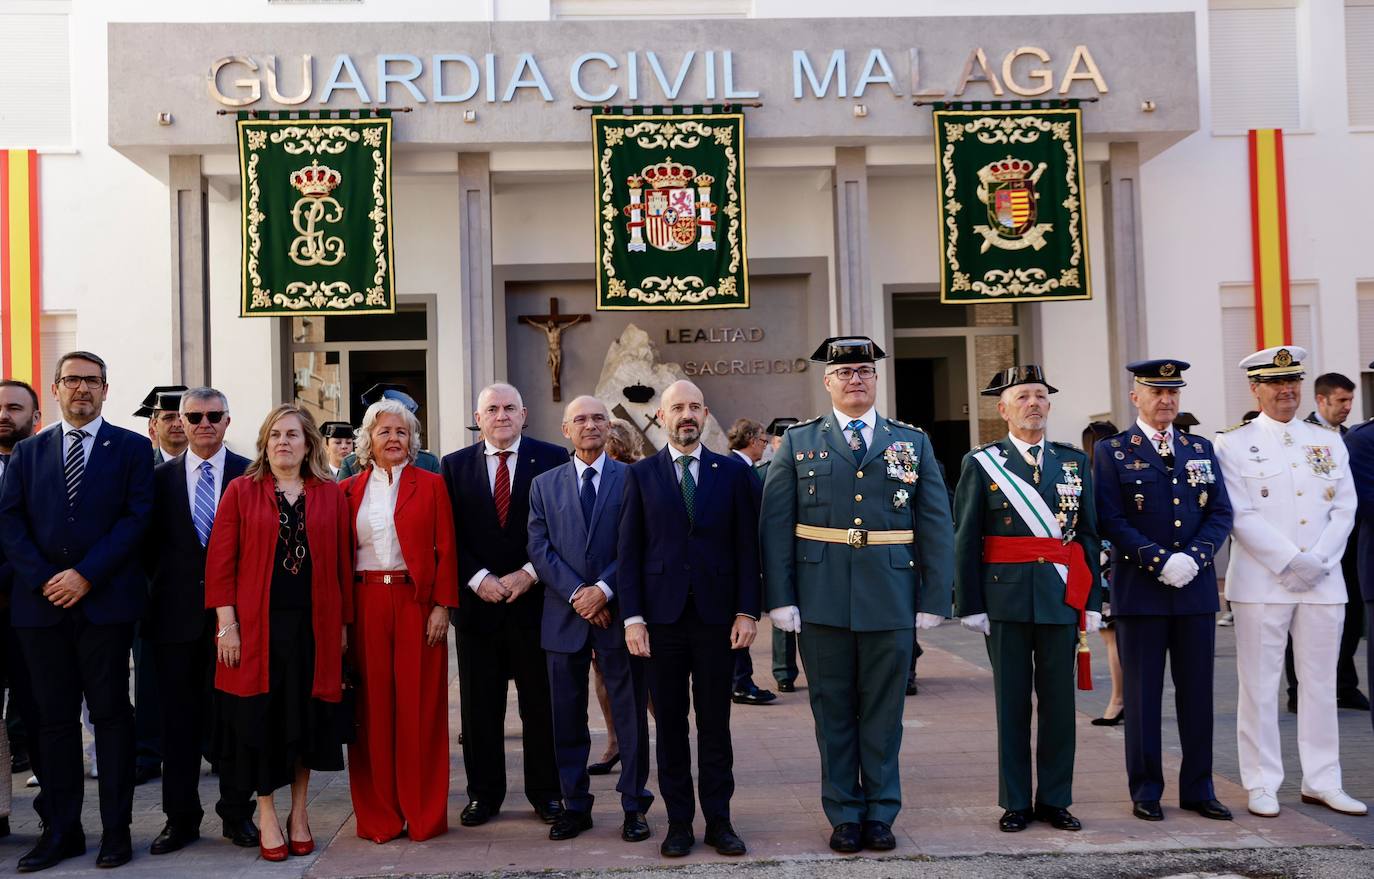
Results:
[501, 494]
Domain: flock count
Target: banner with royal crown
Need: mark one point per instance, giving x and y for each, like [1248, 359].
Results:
[670, 211]
[316, 215]
[1011, 205]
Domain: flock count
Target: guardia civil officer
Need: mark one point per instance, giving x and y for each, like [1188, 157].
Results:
[856, 540]
[784, 643]
[1294, 504]
[1162, 503]
[1026, 576]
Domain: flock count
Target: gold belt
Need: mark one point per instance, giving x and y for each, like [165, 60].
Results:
[856, 537]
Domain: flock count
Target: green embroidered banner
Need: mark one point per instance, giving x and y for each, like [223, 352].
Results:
[316, 216]
[670, 211]
[1011, 196]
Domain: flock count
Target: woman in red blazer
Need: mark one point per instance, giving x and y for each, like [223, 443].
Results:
[406, 564]
[278, 573]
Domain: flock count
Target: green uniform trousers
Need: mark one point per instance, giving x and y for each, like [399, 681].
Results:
[857, 685]
[784, 656]
[1035, 657]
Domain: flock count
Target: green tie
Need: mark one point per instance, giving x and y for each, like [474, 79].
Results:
[1034, 454]
[689, 487]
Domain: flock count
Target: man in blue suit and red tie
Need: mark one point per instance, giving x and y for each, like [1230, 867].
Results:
[75, 504]
[689, 591]
[1162, 503]
[574, 522]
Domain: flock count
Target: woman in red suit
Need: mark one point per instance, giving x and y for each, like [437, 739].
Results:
[406, 564]
[278, 573]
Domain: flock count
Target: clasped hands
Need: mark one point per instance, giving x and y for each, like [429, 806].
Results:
[1179, 570]
[66, 588]
[1303, 573]
[505, 589]
[741, 635]
[590, 603]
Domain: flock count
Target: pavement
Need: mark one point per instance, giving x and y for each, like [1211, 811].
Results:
[947, 828]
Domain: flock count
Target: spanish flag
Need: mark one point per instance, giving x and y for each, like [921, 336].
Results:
[1269, 238]
[20, 266]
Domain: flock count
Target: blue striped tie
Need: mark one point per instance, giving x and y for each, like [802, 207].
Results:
[75, 466]
[203, 510]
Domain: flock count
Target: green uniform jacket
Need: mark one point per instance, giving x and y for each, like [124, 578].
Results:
[813, 480]
[1030, 592]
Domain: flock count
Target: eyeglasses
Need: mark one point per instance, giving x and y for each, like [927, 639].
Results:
[194, 417]
[72, 382]
[845, 373]
[598, 418]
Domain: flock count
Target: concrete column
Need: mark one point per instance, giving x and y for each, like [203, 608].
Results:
[854, 307]
[482, 328]
[1125, 271]
[190, 272]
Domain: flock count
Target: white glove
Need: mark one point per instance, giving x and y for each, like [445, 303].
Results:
[1307, 567]
[786, 619]
[1092, 621]
[1179, 570]
[1292, 582]
[977, 622]
[928, 620]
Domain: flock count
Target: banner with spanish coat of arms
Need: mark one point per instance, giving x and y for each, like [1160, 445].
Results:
[316, 216]
[1011, 200]
[670, 211]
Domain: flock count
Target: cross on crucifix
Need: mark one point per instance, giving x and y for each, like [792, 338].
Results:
[553, 324]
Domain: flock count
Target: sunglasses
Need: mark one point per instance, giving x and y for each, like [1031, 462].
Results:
[195, 417]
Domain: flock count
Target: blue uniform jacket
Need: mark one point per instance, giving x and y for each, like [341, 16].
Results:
[1148, 514]
[1359, 442]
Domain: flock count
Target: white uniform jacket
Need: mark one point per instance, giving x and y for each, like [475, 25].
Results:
[1291, 491]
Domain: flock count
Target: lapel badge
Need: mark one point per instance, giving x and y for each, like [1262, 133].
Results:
[801, 456]
[1329, 493]
[1116, 444]
[992, 486]
[900, 498]
[1202, 499]
[1197, 447]
[713, 465]
[1135, 439]
[1264, 492]
[1119, 455]
[810, 454]
[1254, 449]
[824, 454]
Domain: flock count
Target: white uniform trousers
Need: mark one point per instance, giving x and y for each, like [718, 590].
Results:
[1262, 631]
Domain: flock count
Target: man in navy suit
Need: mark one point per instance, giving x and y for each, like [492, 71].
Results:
[574, 521]
[689, 592]
[73, 512]
[178, 629]
[1359, 442]
[498, 627]
[1162, 503]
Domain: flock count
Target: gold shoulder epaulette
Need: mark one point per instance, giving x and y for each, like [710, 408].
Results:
[806, 422]
[1065, 445]
[1327, 426]
[1234, 427]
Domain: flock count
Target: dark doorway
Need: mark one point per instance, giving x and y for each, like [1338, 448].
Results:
[403, 367]
[930, 395]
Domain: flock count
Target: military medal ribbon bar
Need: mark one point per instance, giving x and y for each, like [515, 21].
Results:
[1011, 200]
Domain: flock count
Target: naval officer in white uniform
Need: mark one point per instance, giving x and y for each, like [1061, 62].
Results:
[1294, 504]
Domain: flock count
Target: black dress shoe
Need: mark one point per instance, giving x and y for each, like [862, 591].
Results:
[783, 687]
[116, 850]
[20, 763]
[549, 812]
[1015, 820]
[1109, 721]
[635, 828]
[570, 824]
[145, 774]
[477, 813]
[1147, 810]
[678, 842]
[1059, 819]
[1207, 809]
[4, 827]
[52, 850]
[603, 767]
[911, 688]
[723, 837]
[846, 838]
[878, 837]
[753, 696]
[173, 838]
[1352, 699]
[242, 833]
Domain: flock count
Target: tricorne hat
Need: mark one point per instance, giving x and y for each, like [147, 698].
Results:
[848, 349]
[1026, 374]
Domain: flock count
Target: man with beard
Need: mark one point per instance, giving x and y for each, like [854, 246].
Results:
[1294, 500]
[689, 590]
[1026, 576]
[19, 418]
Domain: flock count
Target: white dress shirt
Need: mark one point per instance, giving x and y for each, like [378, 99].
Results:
[743, 457]
[379, 549]
[1024, 448]
[870, 420]
[193, 462]
[1150, 434]
[493, 462]
[599, 466]
[694, 465]
[86, 444]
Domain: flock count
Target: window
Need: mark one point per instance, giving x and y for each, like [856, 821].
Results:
[1255, 72]
[1359, 60]
[1238, 342]
[35, 75]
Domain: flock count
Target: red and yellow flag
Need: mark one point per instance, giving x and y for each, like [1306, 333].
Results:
[1269, 238]
[20, 266]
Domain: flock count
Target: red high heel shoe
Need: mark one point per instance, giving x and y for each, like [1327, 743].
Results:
[272, 854]
[301, 849]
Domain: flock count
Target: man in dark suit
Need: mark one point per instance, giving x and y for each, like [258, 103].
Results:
[574, 521]
[498, 627]
[1335, 394]
[1162, 503]
[177, 628]
[73, 512]
[747, 441]
[690, 593]
[1359, 442]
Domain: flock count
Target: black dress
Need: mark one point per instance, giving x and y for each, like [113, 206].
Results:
[261, 739]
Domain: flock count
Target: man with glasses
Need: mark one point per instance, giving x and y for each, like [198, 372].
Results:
[73, 512]
[178, 629]
[857, 548]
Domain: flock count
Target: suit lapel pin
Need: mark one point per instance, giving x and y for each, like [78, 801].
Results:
[1119, 455]
[106, 443]
[801, 456]
[825, 454]
[1135, 439]
[713, 465]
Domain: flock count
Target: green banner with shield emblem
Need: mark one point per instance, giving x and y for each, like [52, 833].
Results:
[1011, 205]
[316, 215]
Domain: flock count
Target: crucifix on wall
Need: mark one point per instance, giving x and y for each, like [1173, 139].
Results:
[553, 324]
